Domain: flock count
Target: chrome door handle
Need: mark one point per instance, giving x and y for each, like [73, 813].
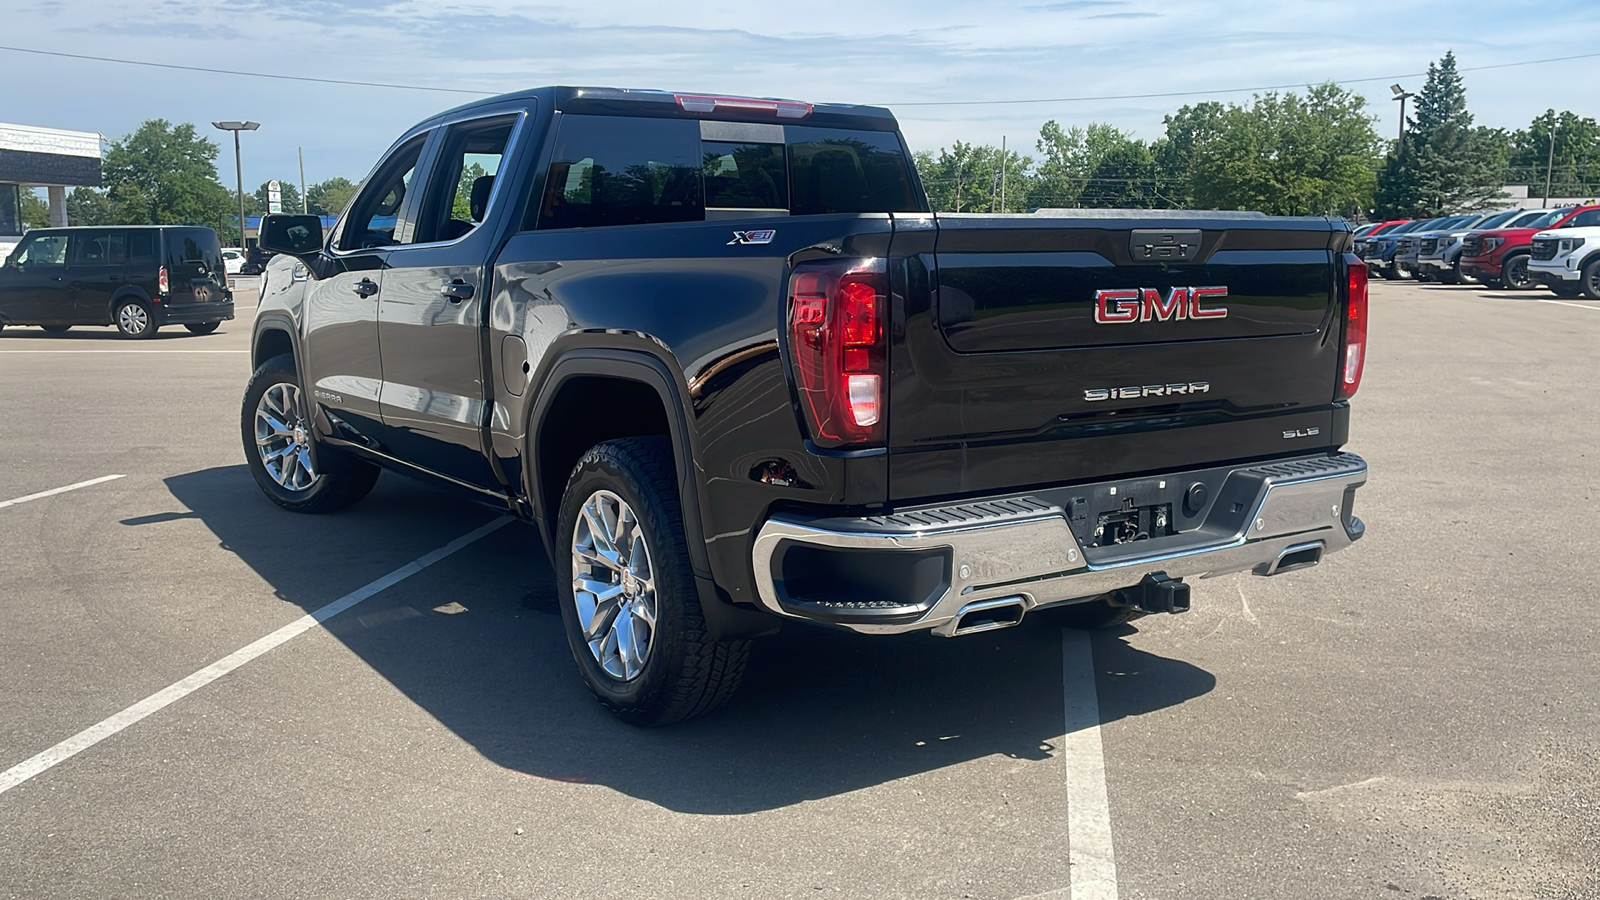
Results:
[457, 291]
[365, 287]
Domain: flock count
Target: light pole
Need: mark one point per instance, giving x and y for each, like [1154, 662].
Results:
[238, 165]
[1402, 95]
[1550, 163]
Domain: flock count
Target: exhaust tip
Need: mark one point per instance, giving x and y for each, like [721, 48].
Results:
[986, 615]
[1303, 556]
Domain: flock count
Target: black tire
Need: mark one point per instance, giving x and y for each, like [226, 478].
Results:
[685, 672]
[1097, 613]
[56, 329]
[128, 317]
[1392, 273]
[1591, 279]
[339, 480]
[203, 327]
[1514, 274]
[1460, 276]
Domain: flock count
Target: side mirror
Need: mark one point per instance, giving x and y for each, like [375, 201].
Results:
[293, 235]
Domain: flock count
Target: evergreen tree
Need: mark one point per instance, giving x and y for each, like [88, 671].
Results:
[1443, 164]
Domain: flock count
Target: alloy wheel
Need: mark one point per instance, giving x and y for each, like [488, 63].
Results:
[613, 586]
[283, 438]
[133, 319]
[1516, 275]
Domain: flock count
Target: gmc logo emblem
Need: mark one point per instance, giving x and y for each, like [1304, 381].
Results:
[1123, 305]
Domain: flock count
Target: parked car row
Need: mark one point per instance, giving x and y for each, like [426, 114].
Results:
[1512, 249]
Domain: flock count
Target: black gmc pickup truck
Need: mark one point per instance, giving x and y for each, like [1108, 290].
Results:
[721, 354]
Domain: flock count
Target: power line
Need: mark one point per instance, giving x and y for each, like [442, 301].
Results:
[1244, 90]
[484, 93]
[273, 75]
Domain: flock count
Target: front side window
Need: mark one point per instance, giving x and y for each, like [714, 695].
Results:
[623, 171]
[375, 216]
[463, 180]
[42, 250]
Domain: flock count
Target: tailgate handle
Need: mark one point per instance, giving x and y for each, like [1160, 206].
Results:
[1153, 246]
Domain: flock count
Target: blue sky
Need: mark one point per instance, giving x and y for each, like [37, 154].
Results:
[869, 51]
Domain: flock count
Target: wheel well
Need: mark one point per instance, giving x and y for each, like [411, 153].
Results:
[586, 411]
[272, 342]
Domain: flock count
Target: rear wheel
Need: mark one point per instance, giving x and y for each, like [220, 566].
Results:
[291, 469]
[133, 320]
[56, 329]
[203, 327]
[628, 598]
[1514, 275]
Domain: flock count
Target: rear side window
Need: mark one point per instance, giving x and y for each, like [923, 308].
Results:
[744, 176]
[623, 171]
[836, 171]
[101, 249]
[141, 247]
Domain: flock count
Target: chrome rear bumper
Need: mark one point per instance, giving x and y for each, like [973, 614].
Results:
[1022, 549]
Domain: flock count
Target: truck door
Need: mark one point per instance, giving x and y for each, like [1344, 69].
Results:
[431, 311]
[343, 369]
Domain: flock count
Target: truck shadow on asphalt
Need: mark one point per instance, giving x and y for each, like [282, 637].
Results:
[821, 713]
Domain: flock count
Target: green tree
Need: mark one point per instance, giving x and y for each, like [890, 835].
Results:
[1443, 164]
[1565, 146]
[35, 212]
[461, 207]
[967, 178]
[330, 197]
[87, 206]
[1187, 130]
[1285, 154]
[1096, 165]
[164, 174]
[255, 204]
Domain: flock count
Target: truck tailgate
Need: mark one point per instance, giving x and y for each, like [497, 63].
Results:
[1041, 350]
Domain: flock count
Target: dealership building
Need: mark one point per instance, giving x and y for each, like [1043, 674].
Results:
[42, 157]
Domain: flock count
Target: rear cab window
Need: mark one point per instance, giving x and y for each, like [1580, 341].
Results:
[625, 170]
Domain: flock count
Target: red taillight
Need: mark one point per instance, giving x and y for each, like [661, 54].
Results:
[161, 279]
[836, 312]
[1355, 328]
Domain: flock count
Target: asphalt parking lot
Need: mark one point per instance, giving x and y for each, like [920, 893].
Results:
[1418, 717]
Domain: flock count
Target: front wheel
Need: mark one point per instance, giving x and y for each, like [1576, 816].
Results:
[628, 598]
[203, 327]
[1591, 279]
[283, 456]
[1514, 275]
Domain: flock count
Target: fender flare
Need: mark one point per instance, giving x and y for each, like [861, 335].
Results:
[123, 293]
[274, 321]
[723, 618]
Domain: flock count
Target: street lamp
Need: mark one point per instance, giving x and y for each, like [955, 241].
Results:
[1402, 95]
[238, 166]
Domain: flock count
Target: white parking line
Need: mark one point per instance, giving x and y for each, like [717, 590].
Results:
[60, 490]
[1573, 305]
[165, 697]
[1091, 864]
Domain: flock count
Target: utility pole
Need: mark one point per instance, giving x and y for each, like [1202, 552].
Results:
[1549, 163]
[302, 152]
[1002, 173]
[238, 164]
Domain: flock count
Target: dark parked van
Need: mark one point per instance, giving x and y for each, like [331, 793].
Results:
[134, 277]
